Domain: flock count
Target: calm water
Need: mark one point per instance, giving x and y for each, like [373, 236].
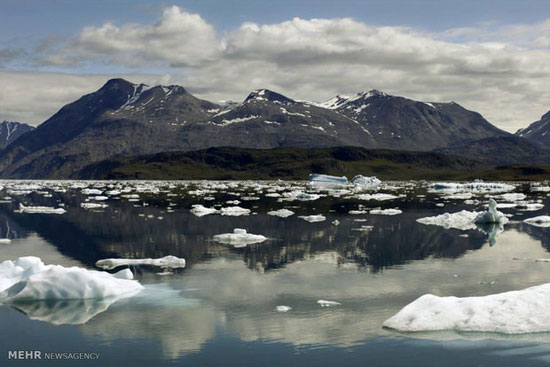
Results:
[220, 309]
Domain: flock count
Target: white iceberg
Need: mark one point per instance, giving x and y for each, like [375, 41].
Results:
[492, 215]
[168, 262]
[40, 210]
[316, 179]
[313, 218]
[303, 196]
[324, 303]
[283, 308]
[385, 211]
[5, 241]
[462, 220]
[93, 205]
[239, 238]
[28, 279]
[282, 213]
[473, 187]
[200, 210]
[378, 197]
[515, 312]
[235, 211]
[365, 182]
[540, 221]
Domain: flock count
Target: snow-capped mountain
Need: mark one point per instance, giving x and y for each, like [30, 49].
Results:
[126, 119]
[411, 125]
[538, 131]
[11, 130]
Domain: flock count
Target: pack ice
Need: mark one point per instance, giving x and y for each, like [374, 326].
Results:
[168, 262]
[516, 312]
[29, 279]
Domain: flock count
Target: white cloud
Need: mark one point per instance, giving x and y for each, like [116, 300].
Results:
[501, 72]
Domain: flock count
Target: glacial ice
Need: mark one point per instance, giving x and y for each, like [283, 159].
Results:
[385, 211]
[462, 220]
[378, 197]
[320, 179]
[324, 303]
[492, 215]
[200, 210]
[473, 187]
[283, 308]
[40, 210]
[28, 279]
[515, 312]
[239, 238]
[313, 218]
[282, 213]
[540, 221]
[169, 262]
[234, 211]
[365, 182]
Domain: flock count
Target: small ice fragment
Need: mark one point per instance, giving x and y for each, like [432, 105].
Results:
[313, 218]
[283, 308]
[282, 213]
[239, 238]
[324, 303]
[169, 262]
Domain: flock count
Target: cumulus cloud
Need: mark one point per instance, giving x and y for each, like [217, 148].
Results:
[500, 71]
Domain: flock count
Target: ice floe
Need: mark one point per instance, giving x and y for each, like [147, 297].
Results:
[492, 215]
[235, 211]
[540, 221]
[462, 220]
[168, 262]
[365, 183]
[283, 213]
[40, 209]
[239, 238]
[515, 312]
[473, 187]
[324, 303]
[28, 279]
[313, 218]
[200, 210]
[283, 308]
[385, 211]
[378, 197]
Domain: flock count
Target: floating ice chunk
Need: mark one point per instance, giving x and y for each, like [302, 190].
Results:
[365, 183]
[283, 213]
[283, 308]
[93, 205]
[40, 210]
[235, 211]
[99, 198]
[529, 207]
[29, 279]
[513, 196]
[168, 262]
[385, 211]
[5, 241]
[91, 192]
[239, 238]
[313, 218]
[199, 210]
[379, 197]
[492, 215]
[462, 220]
[540, 221]
[516, 312]
[324, 180]
[540, 188]
[324, 303]
[474, 187]
[303, 196]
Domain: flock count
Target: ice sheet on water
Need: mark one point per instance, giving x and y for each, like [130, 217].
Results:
[282, 213]
[40, 209]
[516, 312]
[539, 221]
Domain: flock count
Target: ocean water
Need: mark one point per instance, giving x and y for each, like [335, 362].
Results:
[220, 310]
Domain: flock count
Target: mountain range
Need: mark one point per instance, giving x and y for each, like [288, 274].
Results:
[123, 119]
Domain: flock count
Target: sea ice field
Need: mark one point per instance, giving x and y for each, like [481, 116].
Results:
[324, 272]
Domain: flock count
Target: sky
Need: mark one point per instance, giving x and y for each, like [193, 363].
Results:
[492, 57]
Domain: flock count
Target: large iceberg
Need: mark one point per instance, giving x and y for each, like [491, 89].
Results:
[168, 262]
[516, 312]
[28, 279]
[365, 183]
